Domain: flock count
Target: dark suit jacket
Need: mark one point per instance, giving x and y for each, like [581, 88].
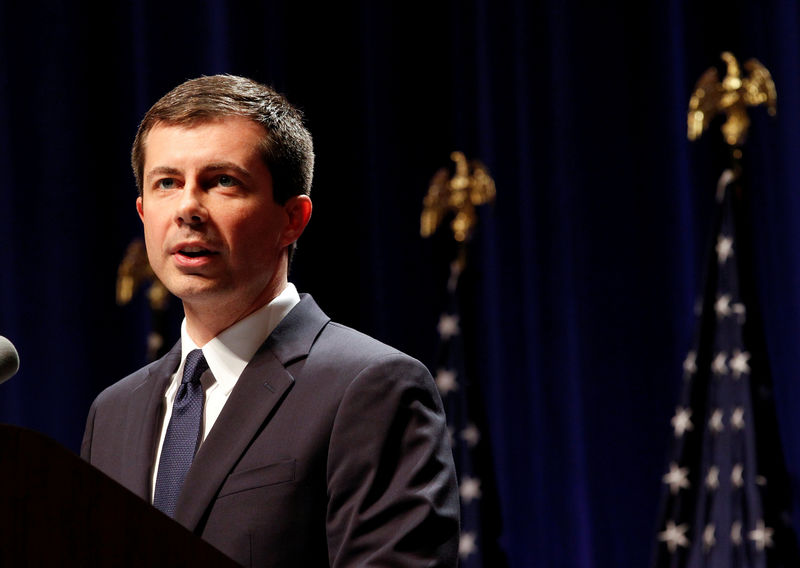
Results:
[332, 449]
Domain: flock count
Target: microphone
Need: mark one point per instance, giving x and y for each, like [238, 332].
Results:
[9, 359]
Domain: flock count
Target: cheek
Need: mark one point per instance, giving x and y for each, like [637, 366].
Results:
[258, 233]
[154, 232]
[151, 243]
[257, 253]
[256, 245]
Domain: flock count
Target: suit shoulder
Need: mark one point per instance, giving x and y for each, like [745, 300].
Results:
[347, 357]
[122, 388]
[353, 345]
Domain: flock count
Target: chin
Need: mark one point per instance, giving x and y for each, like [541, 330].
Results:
[189, 288]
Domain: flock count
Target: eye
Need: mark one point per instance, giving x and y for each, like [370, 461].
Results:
[227, 181]
[165, 183]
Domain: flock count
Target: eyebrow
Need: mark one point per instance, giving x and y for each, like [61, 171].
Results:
[162, 170]
[212, 167]
[217, 166]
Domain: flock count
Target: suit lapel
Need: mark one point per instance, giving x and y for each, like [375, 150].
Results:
[144, 411]
[256, 397]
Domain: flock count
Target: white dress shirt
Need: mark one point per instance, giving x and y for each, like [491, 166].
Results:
[227, 355]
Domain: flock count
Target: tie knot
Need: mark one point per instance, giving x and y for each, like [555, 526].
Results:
[195, 366]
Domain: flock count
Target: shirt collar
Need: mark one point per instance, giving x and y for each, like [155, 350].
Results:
[230, 352]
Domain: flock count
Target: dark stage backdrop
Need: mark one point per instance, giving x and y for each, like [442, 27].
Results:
[582, 277]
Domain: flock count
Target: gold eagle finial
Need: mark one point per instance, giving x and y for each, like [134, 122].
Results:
[134, 271]
[471, 185]
[731, 96]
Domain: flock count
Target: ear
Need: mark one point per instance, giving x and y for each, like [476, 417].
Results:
[298, 212]
[139, 208]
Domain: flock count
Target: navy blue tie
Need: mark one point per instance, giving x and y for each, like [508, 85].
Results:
[183, 436]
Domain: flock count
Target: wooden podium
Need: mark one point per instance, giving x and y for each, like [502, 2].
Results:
[57, 510]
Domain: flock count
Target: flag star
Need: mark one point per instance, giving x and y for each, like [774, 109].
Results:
[741, 312]
[709, 538]
[677, 478]
[737, 475]
[466, 544]
[471, 435]
[723, 306]
[737, 418]
[712, 478]
[736, 533]
[739, 364]
[446, 381]
[690, 363]
[674, 536]
[470, 489]
[682, 422]
[715, 423]
[761, 481]
[761, 536]
[448, 326]
[718, 366]
[724, 249]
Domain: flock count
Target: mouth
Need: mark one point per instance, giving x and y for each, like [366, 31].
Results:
[192, 255]
[194, 252]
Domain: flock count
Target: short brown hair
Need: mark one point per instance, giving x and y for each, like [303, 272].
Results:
[287, 148]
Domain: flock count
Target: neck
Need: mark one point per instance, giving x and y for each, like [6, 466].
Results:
[206, 320]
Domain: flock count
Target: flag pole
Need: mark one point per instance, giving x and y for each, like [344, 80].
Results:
[725, 492]
[455, 197]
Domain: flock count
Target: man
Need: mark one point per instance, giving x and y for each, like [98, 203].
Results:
[316, 445]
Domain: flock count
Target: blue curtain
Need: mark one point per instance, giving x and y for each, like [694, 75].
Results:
[582, 276]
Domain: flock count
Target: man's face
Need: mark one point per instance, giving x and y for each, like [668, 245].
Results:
[215, 237]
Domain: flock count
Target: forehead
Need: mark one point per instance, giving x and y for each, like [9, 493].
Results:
[230, 138]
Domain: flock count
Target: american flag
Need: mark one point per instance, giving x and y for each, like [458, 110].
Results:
[725, 501]
[480, 523]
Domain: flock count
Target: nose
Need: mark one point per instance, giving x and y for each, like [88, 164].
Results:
[191, 209]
